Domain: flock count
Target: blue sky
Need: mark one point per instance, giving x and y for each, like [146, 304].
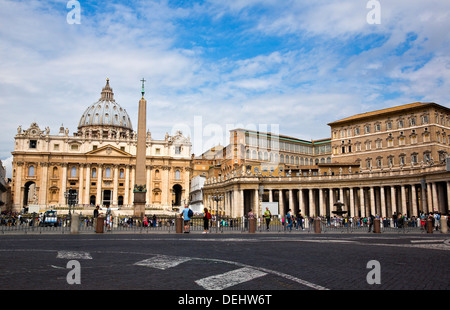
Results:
[245, 63]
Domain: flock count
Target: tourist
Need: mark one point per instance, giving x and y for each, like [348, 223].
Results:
[267, 217]
[187, 215]
[206, 218]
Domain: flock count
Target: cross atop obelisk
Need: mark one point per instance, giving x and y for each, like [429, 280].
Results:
[143, 91]
[140, 187]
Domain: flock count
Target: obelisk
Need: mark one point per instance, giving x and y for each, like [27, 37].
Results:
[140, 188]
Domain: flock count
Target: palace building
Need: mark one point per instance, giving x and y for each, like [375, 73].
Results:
[380, 162]
[97, 163]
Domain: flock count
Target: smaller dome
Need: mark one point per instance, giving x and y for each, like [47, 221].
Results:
[106, 112]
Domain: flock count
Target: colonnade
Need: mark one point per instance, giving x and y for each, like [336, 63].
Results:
[312, 200]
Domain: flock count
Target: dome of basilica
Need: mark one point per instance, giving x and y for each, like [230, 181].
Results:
[106, 112]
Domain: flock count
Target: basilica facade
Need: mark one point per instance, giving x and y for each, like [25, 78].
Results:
[96, 165]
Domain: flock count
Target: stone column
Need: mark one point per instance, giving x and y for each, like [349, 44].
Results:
[127, 186]
[429, 197]
[435, 198]
[311, 203]
[281, 202]
[301, 201]
[256, 210]
[352, 203]
[18, 199]
[393, 199]
[362, 202]
[372, 200]
[99, 199]
[80, 184]
[383, 202]
[133, 181]
[331, 199]
[87, 186]
[62, 199]
[414, 201]
[241, 202]
[270, 195]
[43, 190]
[291, 200]
[404, 209]
[321, 203]
[448, 195]
[115, 185]
[148, 195]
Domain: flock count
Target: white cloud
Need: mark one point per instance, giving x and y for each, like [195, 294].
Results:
[326, 62]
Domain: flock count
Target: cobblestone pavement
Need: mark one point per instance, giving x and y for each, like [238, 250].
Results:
[223, 262]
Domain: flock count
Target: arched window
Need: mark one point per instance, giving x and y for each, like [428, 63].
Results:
[94, 173]
[108, 172]
[177, 174]
[121, 174]
[31, 171]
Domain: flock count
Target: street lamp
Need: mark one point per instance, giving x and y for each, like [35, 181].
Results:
[217, 197]
[71, 200]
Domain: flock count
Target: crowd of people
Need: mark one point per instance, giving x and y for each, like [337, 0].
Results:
[300, 222]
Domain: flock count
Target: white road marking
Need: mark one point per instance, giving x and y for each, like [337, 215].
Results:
[231, 278]
[163, 262]
[73, 255]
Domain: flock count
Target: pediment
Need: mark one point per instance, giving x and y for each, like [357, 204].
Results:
[108, 150]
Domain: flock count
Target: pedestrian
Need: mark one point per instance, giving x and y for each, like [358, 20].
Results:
[187, 215]
[206, 218]
[96, 215]
[250, 214]
[371, 220]
[267, 217]
[289, 219]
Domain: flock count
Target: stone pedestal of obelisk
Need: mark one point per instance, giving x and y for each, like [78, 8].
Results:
[140, 188]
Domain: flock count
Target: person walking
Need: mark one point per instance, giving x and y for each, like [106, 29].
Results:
[206, 218]
[187, 215]
[289, 220]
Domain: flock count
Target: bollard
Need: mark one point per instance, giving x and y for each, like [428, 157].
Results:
[317, 228]
[376, 226]
[100, 223]
[444, 227]
[179, 224]
[251, 225]
[74, 223]
[429, 226]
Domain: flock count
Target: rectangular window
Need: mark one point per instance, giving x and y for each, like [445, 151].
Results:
[33, 144]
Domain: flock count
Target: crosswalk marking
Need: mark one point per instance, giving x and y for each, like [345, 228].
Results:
[231, 278]
[162, 262]
[73, 255]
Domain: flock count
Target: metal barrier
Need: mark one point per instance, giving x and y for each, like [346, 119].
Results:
[166, 224]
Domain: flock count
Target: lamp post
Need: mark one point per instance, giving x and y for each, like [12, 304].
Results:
[217, 197]
[71, 200]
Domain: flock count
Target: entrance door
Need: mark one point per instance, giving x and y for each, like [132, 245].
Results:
[107, 197]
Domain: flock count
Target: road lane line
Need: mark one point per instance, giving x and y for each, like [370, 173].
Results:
[231, 278]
